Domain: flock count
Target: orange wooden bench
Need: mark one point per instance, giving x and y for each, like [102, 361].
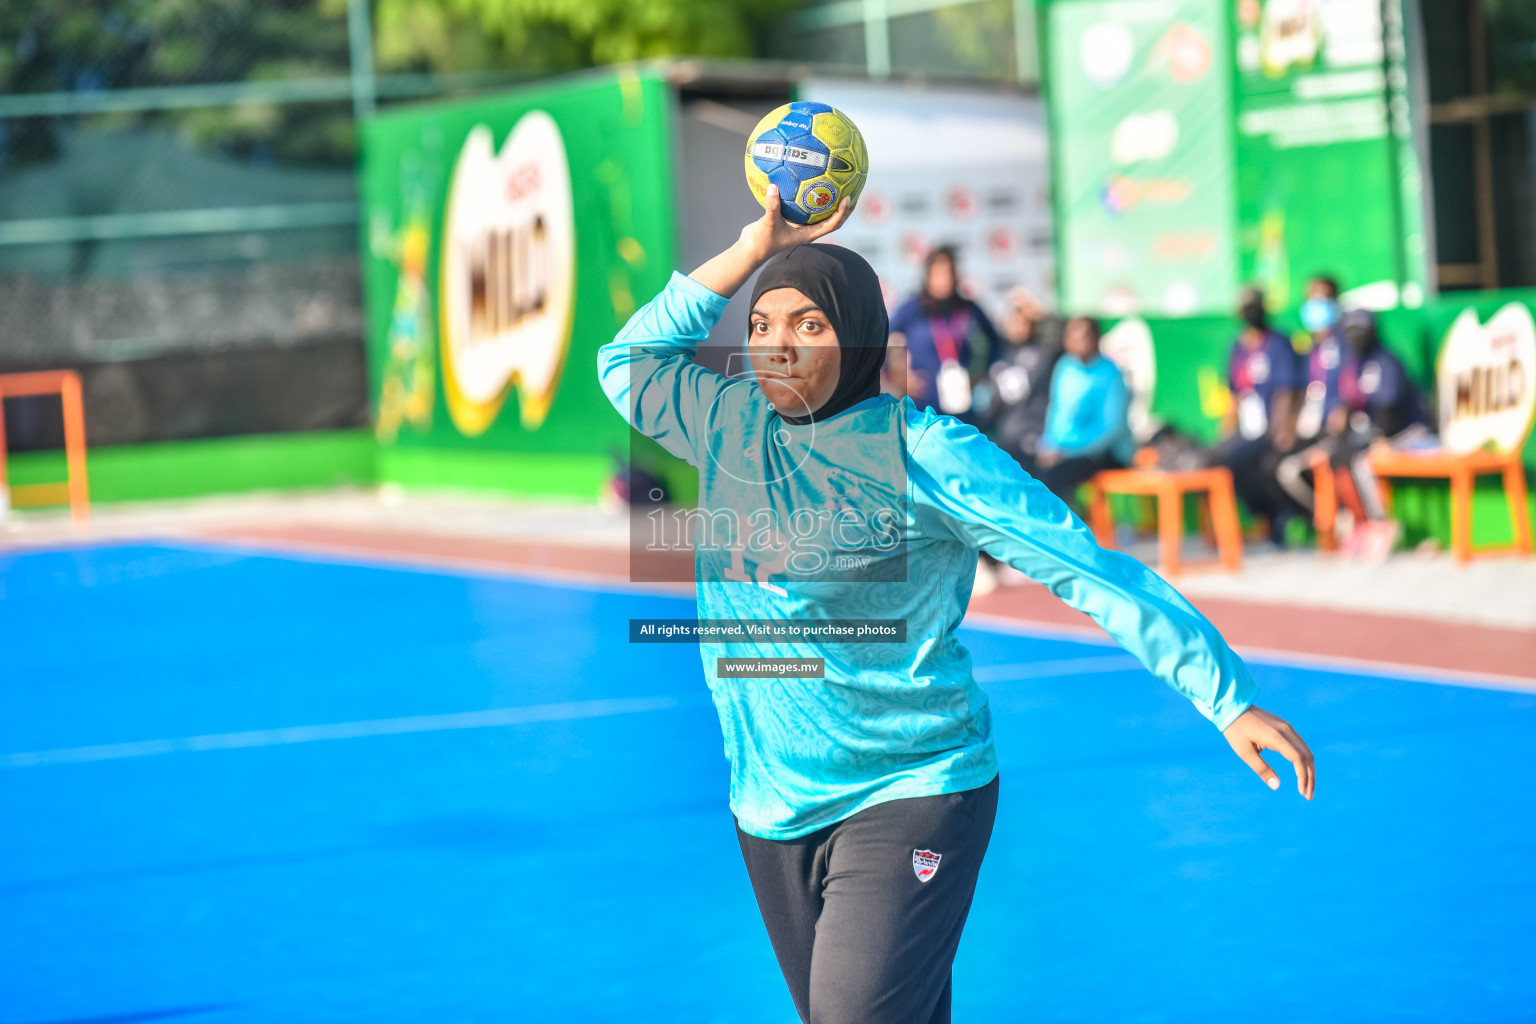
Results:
[1169, 488]
[75, 489]
[1462, 471]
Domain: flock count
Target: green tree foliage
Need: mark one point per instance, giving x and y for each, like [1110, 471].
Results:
[554, 34]
[87, 45]
[71, 45]
[91, 45]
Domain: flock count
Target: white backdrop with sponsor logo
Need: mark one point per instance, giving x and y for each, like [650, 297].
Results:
[1486, 380]
[950, 167]
[508, 272]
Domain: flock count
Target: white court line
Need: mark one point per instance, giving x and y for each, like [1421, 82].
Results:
[976, 620]
[1393, 670]
[1390, 670]
[564, 712]
[327, 554]
[1053, 669]
[337, 553]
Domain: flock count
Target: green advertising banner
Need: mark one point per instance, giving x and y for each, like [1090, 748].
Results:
[1329, 176]
[1140, 102]
[507, 238]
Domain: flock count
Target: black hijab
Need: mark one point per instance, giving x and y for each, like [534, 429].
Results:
[846, 289]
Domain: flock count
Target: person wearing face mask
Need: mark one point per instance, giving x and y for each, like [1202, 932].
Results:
[1320, 316]
[863, 776]
[1385, 409]
[1375, 388]
[1376, 403]
[1264, 374]
[1320, 421]
[948, 339]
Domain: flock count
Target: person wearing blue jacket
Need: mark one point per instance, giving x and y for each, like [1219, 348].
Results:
[863, 776]
[1086, 427]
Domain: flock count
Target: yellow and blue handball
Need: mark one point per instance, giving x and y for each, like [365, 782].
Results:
[813, 153]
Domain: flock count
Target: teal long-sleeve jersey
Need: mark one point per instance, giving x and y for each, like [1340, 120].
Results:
[875, 513]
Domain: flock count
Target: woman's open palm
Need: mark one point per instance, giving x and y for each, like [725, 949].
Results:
[771, 234]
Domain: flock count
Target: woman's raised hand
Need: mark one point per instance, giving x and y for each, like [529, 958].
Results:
[765, 237]
[771, 234]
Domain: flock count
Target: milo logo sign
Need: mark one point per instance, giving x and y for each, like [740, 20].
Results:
[508, 273]
[1486, 380]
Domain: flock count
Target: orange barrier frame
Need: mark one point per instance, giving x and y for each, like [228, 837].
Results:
[65, 384]
[1170, 487]
[1462, 471]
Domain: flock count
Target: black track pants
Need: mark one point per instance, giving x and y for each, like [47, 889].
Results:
[861, 936]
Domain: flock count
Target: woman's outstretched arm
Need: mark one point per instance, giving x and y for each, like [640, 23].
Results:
[969, 487]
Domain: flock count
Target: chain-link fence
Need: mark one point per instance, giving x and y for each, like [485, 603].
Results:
[178, 210]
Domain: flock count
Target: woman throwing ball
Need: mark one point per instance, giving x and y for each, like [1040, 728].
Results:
[863, 775]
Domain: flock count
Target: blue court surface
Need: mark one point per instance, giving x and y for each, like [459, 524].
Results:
[238, 787]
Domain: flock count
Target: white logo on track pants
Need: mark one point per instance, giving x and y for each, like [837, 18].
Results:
[925, 863]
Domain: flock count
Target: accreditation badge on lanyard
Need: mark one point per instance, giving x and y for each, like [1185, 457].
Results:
[954, 383]
[1325, 359]
[1252, 413]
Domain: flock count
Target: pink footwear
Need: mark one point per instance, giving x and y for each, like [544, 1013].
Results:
[1379, 541]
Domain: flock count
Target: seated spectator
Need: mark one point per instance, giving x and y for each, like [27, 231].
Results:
[1319, 421]
[1264, 374]
[949, 341]
[1021, 378]
[1376, 404]
[1085, 426]
[1321, 418]
[1324, 359]
[1019, 393]
[1375, 387]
